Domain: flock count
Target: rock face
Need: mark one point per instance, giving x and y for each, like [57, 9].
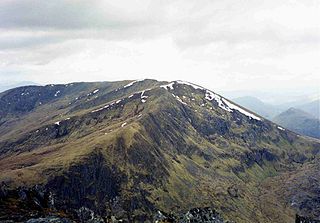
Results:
[195, 215]
[48, 220]
[146, 151]
[300, 219]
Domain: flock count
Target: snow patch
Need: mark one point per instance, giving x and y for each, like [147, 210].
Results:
[235, 107]
[56, 94]
[190, 84]
[212, 96]
[142, 94]
[228, 106]
[95, 91]
[282, 129]
[166, 86]
[57, 123]
[123, 124]
[179, 99]
[133, 82]
[143, 97]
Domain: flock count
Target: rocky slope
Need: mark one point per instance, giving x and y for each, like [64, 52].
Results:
[146, 151]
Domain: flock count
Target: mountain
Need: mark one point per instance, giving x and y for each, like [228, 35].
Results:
[9, 85]
[312, 108]
[299, 121]
[254, 104]
[140, 151]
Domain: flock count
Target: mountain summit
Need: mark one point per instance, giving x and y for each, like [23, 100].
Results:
[148, 151]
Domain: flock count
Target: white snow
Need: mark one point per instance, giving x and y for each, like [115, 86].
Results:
[179, 99]
[142, 94]
[131, 96]
[57, 123]
[123, 124]
[99, 109]
[190, 84]
[104, 107]
[117, 102]
[210, 96]
[95, 91]
[166, 86]
[235, 107]
[143, 97]
[228, 106]
[133, 82]
[280, 128]
[56, 94]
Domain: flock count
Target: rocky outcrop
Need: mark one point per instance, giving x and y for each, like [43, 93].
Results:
[301, 219]
[195, 215]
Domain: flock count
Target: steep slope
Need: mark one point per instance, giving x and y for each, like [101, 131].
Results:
[254, 104]
[142, 150]
[299, 121]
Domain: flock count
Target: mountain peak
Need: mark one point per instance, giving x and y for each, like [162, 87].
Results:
[130, 149]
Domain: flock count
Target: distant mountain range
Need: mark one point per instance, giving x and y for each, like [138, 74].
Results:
[303, 119]
[312, 108]
[149, 151]
[254, 104]
[13, 84]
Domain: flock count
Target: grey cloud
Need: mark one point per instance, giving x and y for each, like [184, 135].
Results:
[62, 14]
[15, 43]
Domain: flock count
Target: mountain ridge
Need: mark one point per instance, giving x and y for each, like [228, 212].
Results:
[155, 141]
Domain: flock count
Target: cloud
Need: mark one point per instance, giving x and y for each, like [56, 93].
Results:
[68, 14]
[235, 42]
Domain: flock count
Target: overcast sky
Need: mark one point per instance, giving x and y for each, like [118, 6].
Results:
[220, 44]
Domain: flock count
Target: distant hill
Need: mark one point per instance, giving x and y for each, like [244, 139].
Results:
[264, 109]
[299, 121]
[9, 85]
[312, 108]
